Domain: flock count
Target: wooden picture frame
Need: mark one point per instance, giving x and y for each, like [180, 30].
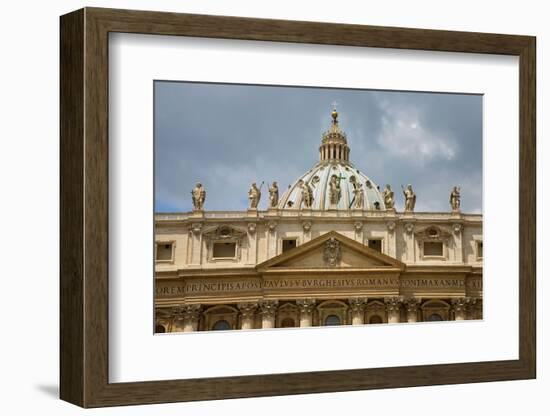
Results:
[84, 207]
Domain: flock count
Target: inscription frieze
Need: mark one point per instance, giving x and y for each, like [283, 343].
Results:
[223, 286]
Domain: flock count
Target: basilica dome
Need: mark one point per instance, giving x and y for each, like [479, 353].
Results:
[333, 183]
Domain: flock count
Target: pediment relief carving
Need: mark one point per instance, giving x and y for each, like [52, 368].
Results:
[333, 255]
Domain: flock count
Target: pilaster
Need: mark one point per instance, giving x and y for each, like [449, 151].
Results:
[247, 310]
[357, 310]
[411, 306]
[306, 311]
[268, 310]
[393, 308]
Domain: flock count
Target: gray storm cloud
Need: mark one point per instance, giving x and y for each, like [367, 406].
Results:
[228, 136]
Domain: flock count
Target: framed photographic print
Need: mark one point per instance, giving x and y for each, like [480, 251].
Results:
[255, 207]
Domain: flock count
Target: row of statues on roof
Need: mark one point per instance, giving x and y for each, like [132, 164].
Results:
[198, 195]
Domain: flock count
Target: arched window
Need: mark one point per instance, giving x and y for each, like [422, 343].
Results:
[332, 320]
[160, 329]
[221, 325]
[435, 317]
[287, 323]
[375, 319]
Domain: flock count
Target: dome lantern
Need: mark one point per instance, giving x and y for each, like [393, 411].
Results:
[333, 183]
[334, 145]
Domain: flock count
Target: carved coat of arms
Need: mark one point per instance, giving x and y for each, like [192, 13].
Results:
[332, 253]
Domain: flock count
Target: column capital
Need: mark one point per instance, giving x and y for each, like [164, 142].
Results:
[251, 227]
[272, 226]
[457, 227]
[247, 309]
[191, 311]
[461, 304]
[196, 228]
[305, 305]
[411, 304]
[268, 307]
[393, 303]
[357, 304]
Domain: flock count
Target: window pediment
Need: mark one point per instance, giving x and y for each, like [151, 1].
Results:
[224, 233]
[432, 233]
[223, 243]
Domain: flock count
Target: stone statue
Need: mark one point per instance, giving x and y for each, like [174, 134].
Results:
[335, 192]
[198, 195]
[389, 199]
[454, 199]
[254, 195]
[410, 198]
[273, 195]
[307, 194]
[359, 196]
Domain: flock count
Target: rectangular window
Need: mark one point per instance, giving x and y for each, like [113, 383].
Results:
[289, 244]
[480, 249]
[376, 245]
[164, 251]
[224, 250]
[433, 248]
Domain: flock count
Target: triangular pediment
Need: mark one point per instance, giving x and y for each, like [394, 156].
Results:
[331, 251]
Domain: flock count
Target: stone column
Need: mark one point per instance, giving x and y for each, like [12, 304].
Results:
[393, 307]
[411, 306]
[189, 316]
[475, 310]
[247, 314]
[306, 311]
[358, 225]
[392, 241]
[457, 239]
[252, 258]
[409, 241]
[306, 226]
[460, 306]
[268, 310]
[195, 234]
[357, 307]
[271, 239]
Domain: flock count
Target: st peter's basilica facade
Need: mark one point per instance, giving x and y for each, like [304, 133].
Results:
[330, 250]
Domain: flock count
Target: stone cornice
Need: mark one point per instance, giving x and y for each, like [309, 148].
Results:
[330, 271]
[317, 215]
[438, 268]
[410, 269]
[226, 271]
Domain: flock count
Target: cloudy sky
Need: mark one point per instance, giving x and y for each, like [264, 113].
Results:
[227, 136]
